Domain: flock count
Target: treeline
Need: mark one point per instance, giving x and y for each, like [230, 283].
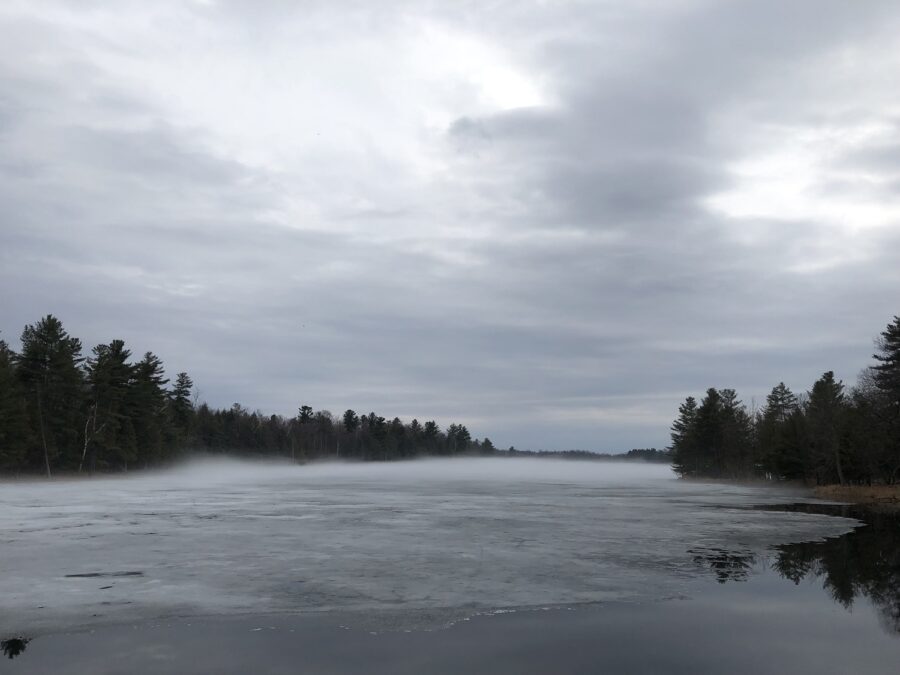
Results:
[62, 411]
[640, 454]
[649, 455]
[828, 434]
[320, 434]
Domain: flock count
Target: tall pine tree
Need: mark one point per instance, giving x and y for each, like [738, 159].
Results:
[109, 438]
[148, 412]
[13, 427]
[50, 374]
[685, 458]
[181, 408]
[825, 416]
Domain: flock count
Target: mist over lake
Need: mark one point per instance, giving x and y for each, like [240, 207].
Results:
[433, 566]
[438, 539]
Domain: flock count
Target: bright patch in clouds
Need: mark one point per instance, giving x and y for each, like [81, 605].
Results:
[484, 76]
[789, 179]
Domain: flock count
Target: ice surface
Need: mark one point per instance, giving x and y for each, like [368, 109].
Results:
[433, 539]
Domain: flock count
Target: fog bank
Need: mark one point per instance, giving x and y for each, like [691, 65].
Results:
[427, 541]
[218, 471]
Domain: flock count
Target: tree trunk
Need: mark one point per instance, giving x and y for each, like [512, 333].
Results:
[43, 433]
[837, 463]
[92, 422]
[87, 438]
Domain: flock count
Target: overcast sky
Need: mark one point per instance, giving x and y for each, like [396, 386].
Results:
[550, 221]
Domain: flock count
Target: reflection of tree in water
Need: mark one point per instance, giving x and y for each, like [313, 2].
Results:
[865, 562]
[726, 565]
[14, 646]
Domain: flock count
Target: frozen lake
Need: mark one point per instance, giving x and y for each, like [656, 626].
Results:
[392, 546]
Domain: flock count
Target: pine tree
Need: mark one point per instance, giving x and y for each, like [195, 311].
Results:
[710, 434]
[303, 432]
[431, 433]
[351, 421]
[868, 430]
[685, 460]
[792, 460]
[376, 427]
[825, 416]
[48, 369]
[780, 403]
[148, 412]
[13, 427]
[458, 438]
[887, 371]
[108, 438]
[180, 406]
[737, 436]
[396, 442]
[780, 453]
[886, 381]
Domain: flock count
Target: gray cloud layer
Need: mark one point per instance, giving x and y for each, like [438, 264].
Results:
[548, 222]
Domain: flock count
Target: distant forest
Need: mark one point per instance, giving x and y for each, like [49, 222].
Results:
[640, 454]
[63, 412]
[827, 435]
[60, 411]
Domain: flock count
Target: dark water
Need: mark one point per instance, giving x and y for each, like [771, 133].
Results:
[829, 606]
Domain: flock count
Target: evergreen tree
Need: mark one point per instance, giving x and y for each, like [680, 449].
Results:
[825, 416]
[323, 430]
[350, 421]
[887, 370]
[396, 442]
[430, 436]
[828, 437]
[108, 436]
[13, 427]
[180, 406]
[736, 436]
[415, 435]
[710, 434]
[886, 379]
[458, 438]
[793, 462]
[48, 369]
[686, 460]
[780, 452]
[303, 431]
[780, 404]
[148, 413]
[305, 414]
[868, 429]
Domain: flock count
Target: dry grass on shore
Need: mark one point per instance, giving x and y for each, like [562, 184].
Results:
[888, 495]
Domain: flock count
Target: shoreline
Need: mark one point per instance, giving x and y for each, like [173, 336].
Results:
[886, 496]
[882, 496]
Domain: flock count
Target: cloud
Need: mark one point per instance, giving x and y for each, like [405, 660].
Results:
[549, 222]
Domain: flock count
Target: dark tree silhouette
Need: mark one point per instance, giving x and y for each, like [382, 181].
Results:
[14, 647]
[828, 437]
[49, 370]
